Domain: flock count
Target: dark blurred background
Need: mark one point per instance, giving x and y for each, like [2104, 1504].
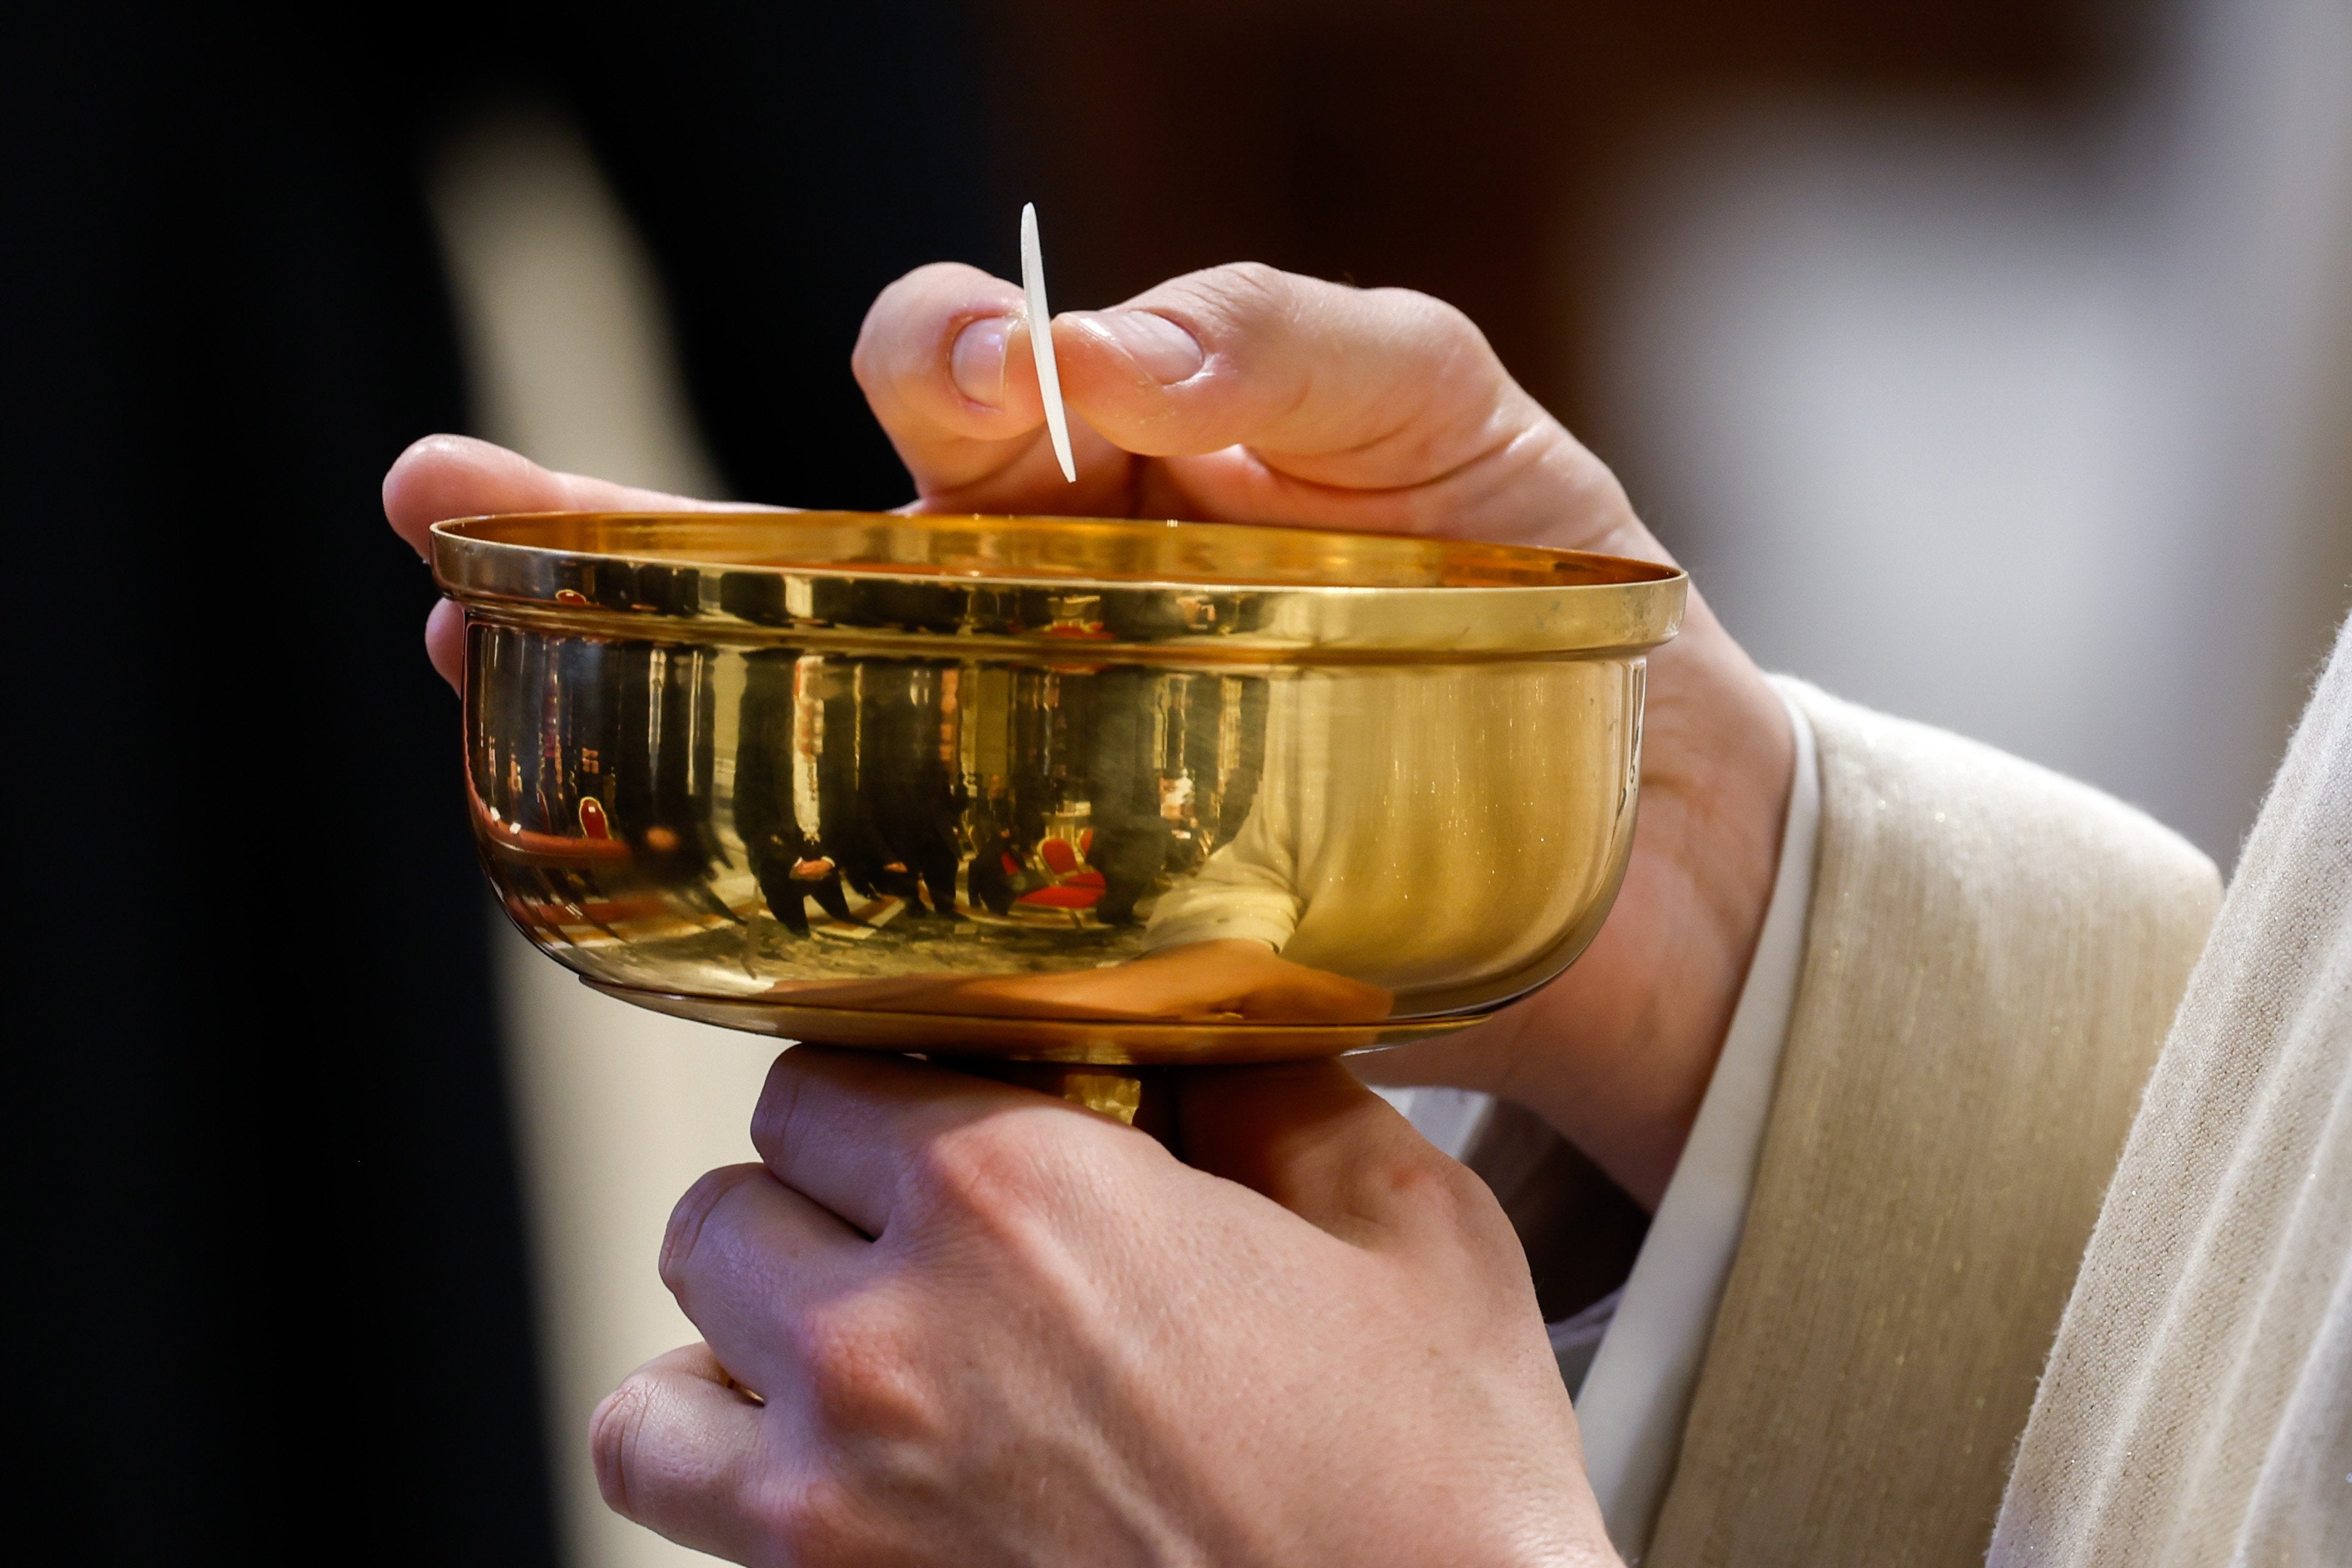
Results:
[1989, 360]
[270, 1225]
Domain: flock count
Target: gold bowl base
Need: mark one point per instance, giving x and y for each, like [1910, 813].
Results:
[1108, 1042]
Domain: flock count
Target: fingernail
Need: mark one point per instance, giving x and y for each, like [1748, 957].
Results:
[977, 361]
[1167, 352]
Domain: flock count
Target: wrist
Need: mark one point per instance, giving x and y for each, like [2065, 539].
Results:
[1617, 1054]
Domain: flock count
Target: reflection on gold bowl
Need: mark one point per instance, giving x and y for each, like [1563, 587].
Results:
[1054, 789]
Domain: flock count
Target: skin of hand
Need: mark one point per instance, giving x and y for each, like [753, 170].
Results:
[953, 1322]
[1246, 394]
[1242, 393]
[991, 1326]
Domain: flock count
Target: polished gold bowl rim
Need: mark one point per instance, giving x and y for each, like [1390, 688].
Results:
[1067, 586]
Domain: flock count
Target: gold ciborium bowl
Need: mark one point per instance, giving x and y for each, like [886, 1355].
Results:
[1062, 790]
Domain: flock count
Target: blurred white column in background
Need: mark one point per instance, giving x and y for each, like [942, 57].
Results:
[619, 1109]
[2027, 427]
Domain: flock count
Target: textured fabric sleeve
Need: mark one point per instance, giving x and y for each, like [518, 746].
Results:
[1993, 956]
[2197, 1407]
[1632, 1408]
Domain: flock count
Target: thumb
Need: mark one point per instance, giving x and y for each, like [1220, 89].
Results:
[1274, 398]
[1364, 388]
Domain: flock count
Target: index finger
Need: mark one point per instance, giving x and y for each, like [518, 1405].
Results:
[945, 361]
[860, 1132]
[442, 477]
[1270, 397]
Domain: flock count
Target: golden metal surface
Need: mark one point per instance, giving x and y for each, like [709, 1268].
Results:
[1143, 1098]
[1067, 790]
[1107, 1041]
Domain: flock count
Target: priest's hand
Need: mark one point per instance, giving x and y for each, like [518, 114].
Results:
[952, 1321]
[1246, 394]
[1242, 394]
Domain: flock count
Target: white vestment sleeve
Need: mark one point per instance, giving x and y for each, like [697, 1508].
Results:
[1637, 1395]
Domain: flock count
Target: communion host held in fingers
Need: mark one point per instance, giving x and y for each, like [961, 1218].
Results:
[2001, 1166]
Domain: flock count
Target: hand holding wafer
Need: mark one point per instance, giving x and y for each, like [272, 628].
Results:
[1242, 393]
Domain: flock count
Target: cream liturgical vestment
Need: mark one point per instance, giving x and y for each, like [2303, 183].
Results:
[1991, 958]
[2197, 1408]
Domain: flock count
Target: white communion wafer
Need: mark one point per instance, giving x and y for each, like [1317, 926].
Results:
[1041, 340]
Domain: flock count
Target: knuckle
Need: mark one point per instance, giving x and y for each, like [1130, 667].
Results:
[1443, 315]
[683, 1232]
[1252, 282]
[1228, 298]
[1459, 1201]
[1246, 291]
[613, 1433]
[814, 1522]
[857, 1374]
[1426, 1180]
[1446, 328]
[780, 1096]
[984, 1171]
